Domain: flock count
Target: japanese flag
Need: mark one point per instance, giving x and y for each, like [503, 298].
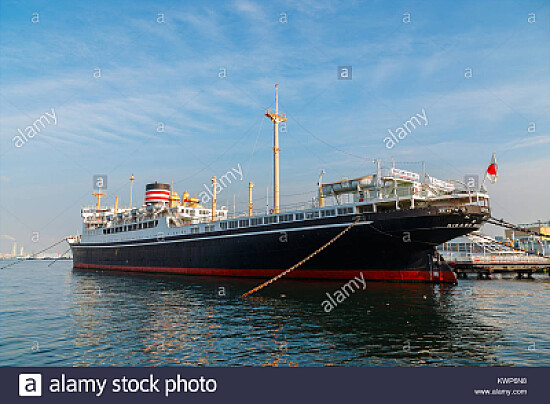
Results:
[492, 170]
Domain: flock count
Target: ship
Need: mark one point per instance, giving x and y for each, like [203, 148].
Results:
[395, 219]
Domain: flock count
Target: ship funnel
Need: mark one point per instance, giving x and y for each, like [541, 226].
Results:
[157, 193]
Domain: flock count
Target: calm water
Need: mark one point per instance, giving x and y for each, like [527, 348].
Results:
[52, 316]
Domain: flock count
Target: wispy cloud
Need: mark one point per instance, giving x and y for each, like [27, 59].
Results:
[168, 73]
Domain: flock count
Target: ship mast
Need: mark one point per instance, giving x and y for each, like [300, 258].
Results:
[131, 189]
[276, 118]
[98, 195]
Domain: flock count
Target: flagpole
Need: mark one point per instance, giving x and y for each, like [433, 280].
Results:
[483, 183]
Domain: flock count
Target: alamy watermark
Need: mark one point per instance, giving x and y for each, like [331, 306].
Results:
[402, 131]
[472, 181]
[343, 293]
[344, 73]
[32, 130]
[223, 182]
[99, 181]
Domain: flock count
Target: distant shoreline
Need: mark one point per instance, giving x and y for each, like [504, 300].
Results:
[36, 259]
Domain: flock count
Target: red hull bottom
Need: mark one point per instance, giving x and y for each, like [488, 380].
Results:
[444, 276]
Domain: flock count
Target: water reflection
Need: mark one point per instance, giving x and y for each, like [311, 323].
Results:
[122, 319]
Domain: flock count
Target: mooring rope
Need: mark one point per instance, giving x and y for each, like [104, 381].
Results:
[34, 255]
[508, 225]
[58, 258]
[263, 285]
[400, 238]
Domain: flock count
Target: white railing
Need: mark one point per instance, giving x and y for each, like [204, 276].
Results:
[467, 258]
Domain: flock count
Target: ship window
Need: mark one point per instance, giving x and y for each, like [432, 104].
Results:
[343, 211]
[286, 218]
[156, 223]
[233, 224]
[223, 225]
[209, 227]
[270, 219]
[299, 216]
[312, 215]
[256, 221]
[330, 212]
[243, 223]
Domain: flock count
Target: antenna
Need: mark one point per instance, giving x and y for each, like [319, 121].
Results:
[276, 118]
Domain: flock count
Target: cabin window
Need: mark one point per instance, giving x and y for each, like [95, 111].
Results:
[344, 211]
[233, 224]
[299, 216]
[223, 225]
[270, 219]
[312, 215]
[243, 223]
[286, 218]
[256, 221]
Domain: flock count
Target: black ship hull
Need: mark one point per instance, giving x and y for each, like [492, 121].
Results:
[394, 246]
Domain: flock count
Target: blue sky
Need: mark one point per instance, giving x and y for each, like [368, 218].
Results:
[168, 72]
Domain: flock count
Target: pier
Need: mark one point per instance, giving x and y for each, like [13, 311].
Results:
[484, 256]
[486, 273]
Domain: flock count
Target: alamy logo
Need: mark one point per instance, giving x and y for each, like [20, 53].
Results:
[30, 385]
